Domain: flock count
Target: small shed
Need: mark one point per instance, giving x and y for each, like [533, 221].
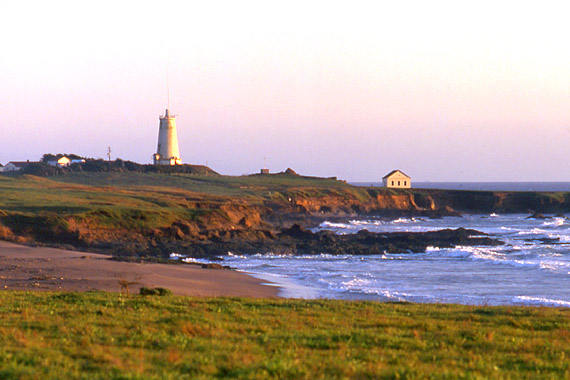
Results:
[397, 179]
[60, 162]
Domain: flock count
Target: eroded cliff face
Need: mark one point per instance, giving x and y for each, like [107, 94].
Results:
[396, 202]
[428, 202]
[368, 202]
[505, 202]
[134, 233]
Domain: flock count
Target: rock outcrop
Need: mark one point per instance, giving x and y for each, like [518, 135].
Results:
[297, 240]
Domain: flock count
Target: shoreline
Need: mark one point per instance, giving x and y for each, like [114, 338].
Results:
[51, 269]
[286, 288]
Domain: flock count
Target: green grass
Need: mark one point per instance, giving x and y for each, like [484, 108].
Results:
[109, 336]
[256, 186]
[30, 200]
[29, 194]
[82, 192]
[133, 200]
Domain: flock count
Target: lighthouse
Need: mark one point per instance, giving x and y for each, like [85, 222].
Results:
[167, 152]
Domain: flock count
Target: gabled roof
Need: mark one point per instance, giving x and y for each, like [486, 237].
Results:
[394, 172]
[19, 164]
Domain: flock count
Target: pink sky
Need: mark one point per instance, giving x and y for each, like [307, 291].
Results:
[442, 91]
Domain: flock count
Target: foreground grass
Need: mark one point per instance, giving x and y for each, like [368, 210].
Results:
[109, 336]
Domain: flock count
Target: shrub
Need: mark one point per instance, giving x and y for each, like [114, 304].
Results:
[144, 291]
[40, 169]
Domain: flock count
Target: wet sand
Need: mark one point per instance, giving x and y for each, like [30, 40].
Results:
[50, 269]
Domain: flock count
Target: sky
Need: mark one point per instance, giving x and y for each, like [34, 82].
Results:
[442, 90]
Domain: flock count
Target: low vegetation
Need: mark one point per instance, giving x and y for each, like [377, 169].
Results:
[252, 186]
[112, 336]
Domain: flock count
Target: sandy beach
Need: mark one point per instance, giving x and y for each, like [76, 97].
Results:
[50, 269]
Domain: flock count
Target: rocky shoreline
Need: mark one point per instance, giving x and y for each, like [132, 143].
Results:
[300, 241]
[156, 246]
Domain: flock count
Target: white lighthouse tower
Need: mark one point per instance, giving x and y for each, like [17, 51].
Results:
[167, 152]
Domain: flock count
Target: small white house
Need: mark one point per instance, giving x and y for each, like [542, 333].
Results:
[60, 162]
[78, 161]
[14, 166]
[397, 179]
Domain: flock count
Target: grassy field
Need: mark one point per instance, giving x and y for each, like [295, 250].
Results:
[77, 193]
[242, 186]
[110, 336]
[50, 209]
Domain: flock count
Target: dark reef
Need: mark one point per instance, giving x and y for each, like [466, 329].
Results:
[297, 240]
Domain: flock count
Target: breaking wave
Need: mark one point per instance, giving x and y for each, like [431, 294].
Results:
[539, 301]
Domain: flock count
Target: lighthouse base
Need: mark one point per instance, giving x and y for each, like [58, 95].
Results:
[166, 161]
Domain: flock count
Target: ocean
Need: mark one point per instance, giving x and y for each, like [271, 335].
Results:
[532, 268]
[484, 186]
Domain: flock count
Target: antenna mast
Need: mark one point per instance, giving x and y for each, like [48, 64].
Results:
[167, 89]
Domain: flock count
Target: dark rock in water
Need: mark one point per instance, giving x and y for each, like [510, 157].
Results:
[297, 232]
[296, 240]
[544, 240]
[212, 266]
[537, 215]
[549, 240]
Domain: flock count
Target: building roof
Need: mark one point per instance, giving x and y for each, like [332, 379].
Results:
[394, 172]
[57, 159]
[19, 164]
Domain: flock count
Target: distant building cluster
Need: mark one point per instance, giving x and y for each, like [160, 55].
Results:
[59, 161]
[14, 166]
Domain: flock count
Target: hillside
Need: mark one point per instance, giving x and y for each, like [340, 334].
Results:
[136, 214]
[145, 214]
